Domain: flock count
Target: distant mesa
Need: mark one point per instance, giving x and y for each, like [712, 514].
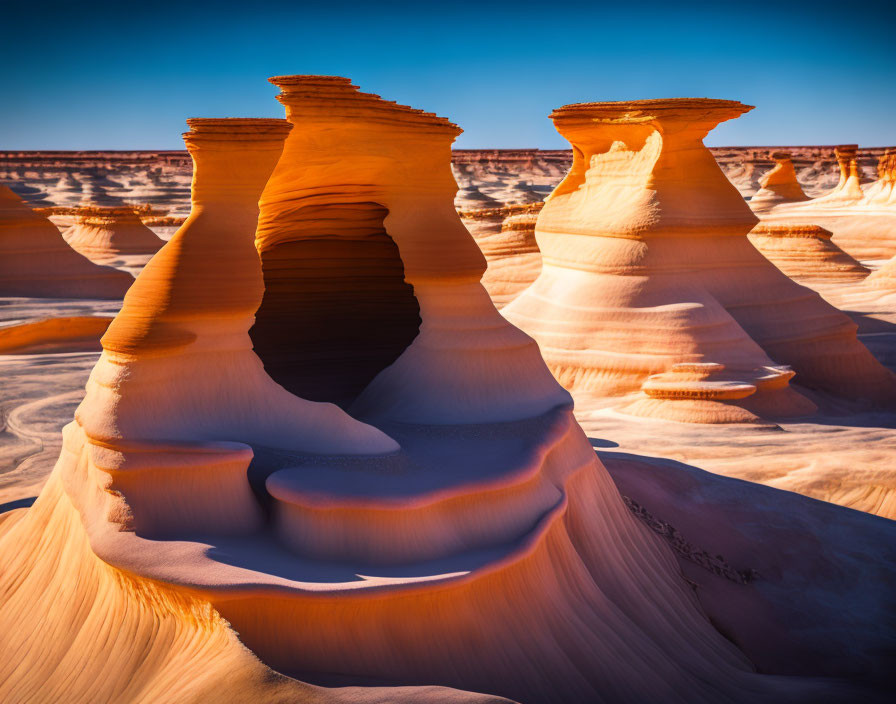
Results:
[392, 531]
[104, 234]
[647, 265]
[35, 260]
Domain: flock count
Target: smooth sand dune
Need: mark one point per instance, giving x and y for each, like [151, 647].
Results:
[453, 528]
[649, 280]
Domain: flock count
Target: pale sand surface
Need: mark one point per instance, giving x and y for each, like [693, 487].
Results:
[38, 396]
[843, 456]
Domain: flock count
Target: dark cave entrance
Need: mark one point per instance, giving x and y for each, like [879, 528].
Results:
[336, 308]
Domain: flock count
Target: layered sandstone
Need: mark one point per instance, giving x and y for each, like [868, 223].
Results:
[780, 185]
[506, 237]
[861, 219]
[806, 253]
[646, 265]
[35, 261]
[104, 234]
[193, 488]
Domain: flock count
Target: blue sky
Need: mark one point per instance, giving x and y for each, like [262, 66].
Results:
[126, 75]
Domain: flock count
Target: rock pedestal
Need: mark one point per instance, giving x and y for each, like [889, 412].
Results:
[779, 185]
[646, 264]
[104, 234]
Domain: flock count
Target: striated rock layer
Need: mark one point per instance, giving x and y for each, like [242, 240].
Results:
[806, 253]
[399, 544]
[35, 260]
[103, 234]
[646, 265]
[779, 185]
[862, 219]
[506, 237]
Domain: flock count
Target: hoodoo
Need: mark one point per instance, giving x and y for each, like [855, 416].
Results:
[104, 234]
[35, 260]
[806, 253]
[647, 265]
[861, 219]
[779, 185]
[448, 487]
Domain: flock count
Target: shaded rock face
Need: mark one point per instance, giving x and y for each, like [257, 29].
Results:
[806, 253]
[646, 265]
[336, 309]
[36, 261]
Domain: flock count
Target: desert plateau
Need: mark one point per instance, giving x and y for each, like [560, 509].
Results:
[344, 395]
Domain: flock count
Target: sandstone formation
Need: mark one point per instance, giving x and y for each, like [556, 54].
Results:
[862, 220]
[398, 542]
[779, 185]
[646, 265]
[35, 260]
[506, 237]
[103, 234]
[805, 253]
[885, 277]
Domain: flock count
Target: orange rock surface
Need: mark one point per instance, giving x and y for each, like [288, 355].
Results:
[646, 264]
[399, 542]
[35, 260]
[103, 234]
[779, 185]
[806, 253]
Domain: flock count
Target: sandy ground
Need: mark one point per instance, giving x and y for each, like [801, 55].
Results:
[38, 396]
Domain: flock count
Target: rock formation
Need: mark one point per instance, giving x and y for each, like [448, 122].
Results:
[805, 253]
[506, 237]
[103, 234]
[862, 221]
[406, 539]
[779, 185]
[884, 278]
[646, 265]
[35, 260]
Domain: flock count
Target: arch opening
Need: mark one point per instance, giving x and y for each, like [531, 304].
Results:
[336, 309]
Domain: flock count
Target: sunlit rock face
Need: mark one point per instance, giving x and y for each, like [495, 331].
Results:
[860, 215]
[805, 253]
[506, 237]
[779, 185]
[395, 542]
[35, 261]
[646, 265]
[105, 233]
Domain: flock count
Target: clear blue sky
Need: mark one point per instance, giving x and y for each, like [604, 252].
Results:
[125, 75]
